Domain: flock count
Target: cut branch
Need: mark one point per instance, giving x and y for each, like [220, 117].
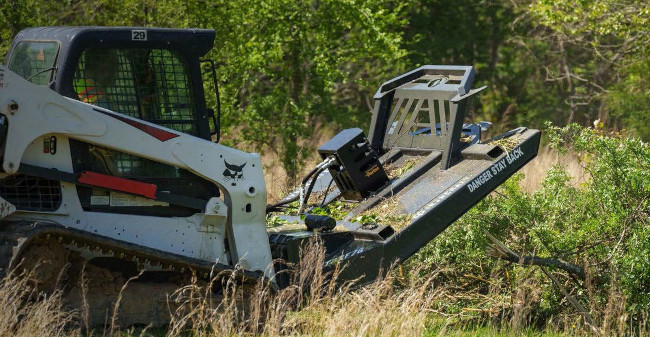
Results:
[499, 250]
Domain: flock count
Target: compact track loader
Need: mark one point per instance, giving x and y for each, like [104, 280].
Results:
[109, 164]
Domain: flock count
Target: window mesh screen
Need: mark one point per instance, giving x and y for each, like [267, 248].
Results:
[31, 193]
[150, 84]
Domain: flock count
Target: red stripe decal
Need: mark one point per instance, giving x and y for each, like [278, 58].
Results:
[157, 133]
[118, 184]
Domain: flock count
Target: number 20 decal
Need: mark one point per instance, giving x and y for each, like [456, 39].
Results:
[139, 35]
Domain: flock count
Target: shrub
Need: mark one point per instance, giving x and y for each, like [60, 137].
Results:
[601, 225]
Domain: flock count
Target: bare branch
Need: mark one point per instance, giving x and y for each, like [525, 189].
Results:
[499, 250]
[573, 301]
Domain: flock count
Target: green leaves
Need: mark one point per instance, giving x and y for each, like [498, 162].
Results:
[286, 62]
[602, 224]
[284, 65]
[597, 59]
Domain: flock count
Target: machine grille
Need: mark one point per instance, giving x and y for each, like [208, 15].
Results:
[31, 193]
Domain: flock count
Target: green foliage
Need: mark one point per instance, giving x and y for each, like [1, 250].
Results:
[598, 59]
[629, 101]
[284, 66]
[336, 209]
[601, 19]
[287, 65]
[275, 221]
[602, 225]
[559, 61]
[16, 15]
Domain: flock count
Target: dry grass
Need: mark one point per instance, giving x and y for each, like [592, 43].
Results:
[316, 305]
[27, 313]
[277, 181]
[536, 169]
[507, 144]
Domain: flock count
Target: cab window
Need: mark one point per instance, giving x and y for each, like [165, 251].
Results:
[149, 84]
[35, 61]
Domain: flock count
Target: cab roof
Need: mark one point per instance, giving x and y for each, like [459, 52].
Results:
[73, 39]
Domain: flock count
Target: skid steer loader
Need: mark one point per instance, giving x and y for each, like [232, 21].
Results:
[108, 162]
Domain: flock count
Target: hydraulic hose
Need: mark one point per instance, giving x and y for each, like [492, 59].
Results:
[315, 172]
[305, 198]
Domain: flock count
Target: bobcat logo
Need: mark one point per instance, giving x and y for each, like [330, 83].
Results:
[233, 173]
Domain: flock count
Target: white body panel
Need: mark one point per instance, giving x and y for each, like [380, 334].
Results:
[42, 112]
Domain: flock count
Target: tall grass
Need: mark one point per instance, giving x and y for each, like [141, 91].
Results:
[26, 312]
[403, 303]
[314, 305]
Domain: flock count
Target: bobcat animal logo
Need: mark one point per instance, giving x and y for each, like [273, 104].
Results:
[233, 173]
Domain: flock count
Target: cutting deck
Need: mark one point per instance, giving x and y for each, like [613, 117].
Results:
[430, 178]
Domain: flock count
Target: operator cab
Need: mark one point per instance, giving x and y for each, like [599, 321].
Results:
[153, 74]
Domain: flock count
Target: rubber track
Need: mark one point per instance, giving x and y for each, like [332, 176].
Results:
[15, 236]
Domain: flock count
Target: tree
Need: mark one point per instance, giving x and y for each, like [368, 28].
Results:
[598, 56]
[287, 64]
[283, 65]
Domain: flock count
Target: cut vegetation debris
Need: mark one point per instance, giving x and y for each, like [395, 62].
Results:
[387, 213]
[507, 144]
[397, 170]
